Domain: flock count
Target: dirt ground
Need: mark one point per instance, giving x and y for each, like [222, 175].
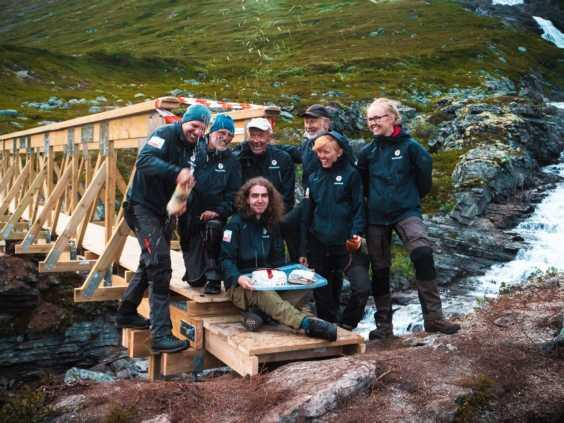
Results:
[494, 370]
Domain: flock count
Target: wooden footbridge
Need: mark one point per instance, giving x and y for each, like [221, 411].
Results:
[61, 190]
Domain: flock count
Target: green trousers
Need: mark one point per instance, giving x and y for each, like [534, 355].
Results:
[282, 306]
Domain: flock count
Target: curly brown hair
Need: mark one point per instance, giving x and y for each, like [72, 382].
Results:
[275, 210]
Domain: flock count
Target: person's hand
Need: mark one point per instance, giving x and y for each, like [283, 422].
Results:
[185, 177]
[181, 210]
[303, 261]
[353, 244]
[245, 283]
[208, 215]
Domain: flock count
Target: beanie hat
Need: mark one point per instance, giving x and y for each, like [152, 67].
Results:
[223, 121]
[197, 112]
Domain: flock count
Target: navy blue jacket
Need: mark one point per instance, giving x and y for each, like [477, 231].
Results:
[165, 154]
[248, 245]
[218, 177]
[397, 174]
[305, 155]
[334, 205]
[275, 165]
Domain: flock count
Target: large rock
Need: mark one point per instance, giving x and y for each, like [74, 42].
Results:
[316, 387]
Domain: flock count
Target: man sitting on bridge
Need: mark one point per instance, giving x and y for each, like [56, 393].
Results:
[218, 177]
[163, 162]
[252, 240]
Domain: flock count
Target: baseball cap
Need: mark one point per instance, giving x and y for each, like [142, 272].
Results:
[316, 111]
[260, 123]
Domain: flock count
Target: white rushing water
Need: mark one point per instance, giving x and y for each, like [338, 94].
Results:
[550, 32]
[508, 2]
[543, 233]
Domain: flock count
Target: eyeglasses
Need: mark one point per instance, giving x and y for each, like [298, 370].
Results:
[376, 118]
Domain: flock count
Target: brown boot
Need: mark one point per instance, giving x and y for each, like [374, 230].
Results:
[383, 317]
[441, 325]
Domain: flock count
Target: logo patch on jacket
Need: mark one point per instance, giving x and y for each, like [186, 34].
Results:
[338, 180]
[220, 168]
[227, 235]
[397, 155]
[274, 165]
[265, 233]
[156, 142]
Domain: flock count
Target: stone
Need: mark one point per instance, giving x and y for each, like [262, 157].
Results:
[75, 375]
[8, 112]
[316, 387]
[139, 95]
[161, 418]
[70, 403]
[95, 109]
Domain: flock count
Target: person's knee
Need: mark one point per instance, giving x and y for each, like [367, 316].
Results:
[422, 258]
[214, 235]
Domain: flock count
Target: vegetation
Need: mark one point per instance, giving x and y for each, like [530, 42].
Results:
[256, 51]
[28, 405]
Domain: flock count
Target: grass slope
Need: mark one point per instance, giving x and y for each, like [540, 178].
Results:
[254, 51]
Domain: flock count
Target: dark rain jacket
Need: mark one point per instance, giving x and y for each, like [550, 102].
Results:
[275, 165]
[397, 174]
[334, 208]
[165, 154]
[248, 245]
[305, 155]
[218, 177]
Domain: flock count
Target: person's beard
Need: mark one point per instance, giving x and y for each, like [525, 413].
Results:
[314, 135]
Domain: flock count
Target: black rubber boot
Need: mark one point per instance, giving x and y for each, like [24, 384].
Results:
[132, 321]
[212, 287]
[321, 329]
[383, 318]
[168, 344]
[251, 320]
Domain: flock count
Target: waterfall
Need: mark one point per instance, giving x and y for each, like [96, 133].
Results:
[550, 32]
[508, 2]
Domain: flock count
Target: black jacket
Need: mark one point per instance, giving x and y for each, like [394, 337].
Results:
[397, 174]
[160, 160]
[218, 177]
[274, 165]
[305, 155]
[248, 245]
[334, 205]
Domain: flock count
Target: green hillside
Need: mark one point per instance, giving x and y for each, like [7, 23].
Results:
[254, 51]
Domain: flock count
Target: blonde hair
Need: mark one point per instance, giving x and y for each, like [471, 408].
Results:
[325, 140]
[390, 105]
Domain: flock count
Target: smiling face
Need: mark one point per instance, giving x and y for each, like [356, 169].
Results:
[259, 140]
[328, 154]
[193, 130]
[258, 200]
[220, 139]
[380, 119]
[314, 126]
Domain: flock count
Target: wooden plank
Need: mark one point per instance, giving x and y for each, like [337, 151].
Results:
[139, 343]
[104, 262]
[125, 337]
[7, 178]
[67, 266]
[188, 361]
[25, 201]
[275, 339]
[313, 354]
[103, 293]
[154, 367]
[90, 214]
[110, 194]
[16, 187]
[44, 215]
[187, 327]
[34, 249]
[77, 215]
[243, 364]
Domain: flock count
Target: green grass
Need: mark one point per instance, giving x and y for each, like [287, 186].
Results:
[260, 51]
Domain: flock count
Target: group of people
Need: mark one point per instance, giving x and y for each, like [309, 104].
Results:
[241, 216]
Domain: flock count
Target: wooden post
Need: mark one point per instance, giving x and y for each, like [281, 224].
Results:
[15, 189]
[110, 197]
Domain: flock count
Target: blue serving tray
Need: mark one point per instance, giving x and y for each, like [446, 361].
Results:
[319, 280]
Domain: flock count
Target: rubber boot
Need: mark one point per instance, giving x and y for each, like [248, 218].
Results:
[212, 287]
[252, 321]
[127, 317]
[383, 318]
[162, 339]
[431, 306]
[318, 328]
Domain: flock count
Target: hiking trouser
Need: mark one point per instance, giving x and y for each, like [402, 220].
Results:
[282, 306]
[154, 271]
[290, 228]
[357, 274]
[413, 235]
[329, 262]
